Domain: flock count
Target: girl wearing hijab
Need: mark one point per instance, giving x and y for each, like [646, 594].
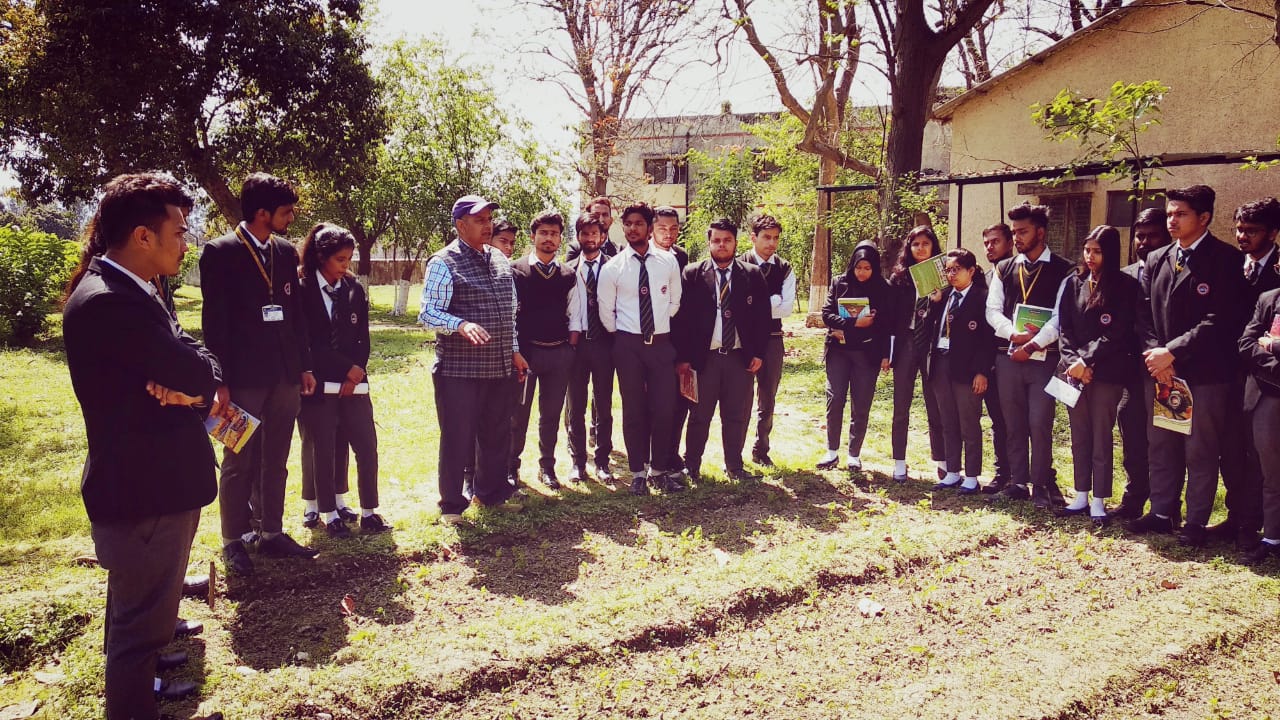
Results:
[1097, 313]
[857, 348]
[909, 312]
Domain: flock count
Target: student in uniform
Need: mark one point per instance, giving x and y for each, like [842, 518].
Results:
[908, 313]
[1097, 311]
[961, 354]
[857, 348]
[337, 314]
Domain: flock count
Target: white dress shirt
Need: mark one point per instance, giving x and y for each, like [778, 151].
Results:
[578, 308]
[1003, 324]
[782, 305]
[618, 291]
[324, 284]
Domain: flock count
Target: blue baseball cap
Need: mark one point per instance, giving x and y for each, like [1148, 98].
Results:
[471, 205]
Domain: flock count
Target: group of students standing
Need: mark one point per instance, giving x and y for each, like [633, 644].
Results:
[1112, 342]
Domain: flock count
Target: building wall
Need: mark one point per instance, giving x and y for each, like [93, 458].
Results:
[1223, 71]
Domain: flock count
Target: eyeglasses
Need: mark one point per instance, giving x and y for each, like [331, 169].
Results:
[953, 269]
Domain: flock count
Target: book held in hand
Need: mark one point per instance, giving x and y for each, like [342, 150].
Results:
[1172, 407]
[689, 385]
[854, 307]
[1063, 387]
[232, 429]
[1035, 316]
[928, 275]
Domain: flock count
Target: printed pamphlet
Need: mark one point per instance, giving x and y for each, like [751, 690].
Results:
[1172, 407]
[928, 275]
[1034, 316]
[233, 429]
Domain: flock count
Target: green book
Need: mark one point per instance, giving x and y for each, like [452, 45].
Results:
[853, 307]
[1034, 315]
[928, 276]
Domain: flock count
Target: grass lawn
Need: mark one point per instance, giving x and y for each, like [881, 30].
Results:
[807, 595]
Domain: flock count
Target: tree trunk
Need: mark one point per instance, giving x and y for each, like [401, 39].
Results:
[364, 244]
[216, 187]
[909, 113]
[820, 262]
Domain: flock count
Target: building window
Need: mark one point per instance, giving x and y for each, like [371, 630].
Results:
[1068, 223]
[666, 171]
[1120, 213]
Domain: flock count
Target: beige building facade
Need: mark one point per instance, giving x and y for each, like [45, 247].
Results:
[1223, 71]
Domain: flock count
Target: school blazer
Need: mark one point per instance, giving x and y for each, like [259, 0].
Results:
[253, 353]
[1197, 313]
[973, 347]
[874, 339]
[1263, 367]
[696, 320]
[350, 324]
[1104, 338]
[144, 459]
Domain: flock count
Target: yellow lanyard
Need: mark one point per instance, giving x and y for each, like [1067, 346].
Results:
[1022, 280]
[266, 275]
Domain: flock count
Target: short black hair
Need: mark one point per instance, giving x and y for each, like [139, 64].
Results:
[1152, 216]
[765, 222]
[264, 192]
[723, 224]
[1265, 212]
[643, 208]
[546, 217]
[964, 257]
[1200, 198]
[502, 226]
[666, 211]
[586, 220]
[1037, 214]
[1001, 228]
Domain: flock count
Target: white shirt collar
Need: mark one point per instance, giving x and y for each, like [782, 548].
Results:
[1044, 257]
[146, 286]
[262, 244]
[533, 260]
[773, 259]
[325, 283]
[1195, 244]
[1265, 258]
[963, 293]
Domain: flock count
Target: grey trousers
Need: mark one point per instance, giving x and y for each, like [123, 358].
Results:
[1265, 422]
[961, 414]
[1173, 455]
[647, 382]
[145, 563]
[260, 469]
[592, 372]
[1028, 418]
[1093, 420]
[328, 426]
[767, 380]
[723, 381]
[549, 370]
[906, 366]
[851, 375]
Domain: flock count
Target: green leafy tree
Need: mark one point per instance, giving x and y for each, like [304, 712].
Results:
[34, 266]
[729, 187]
[207, 90]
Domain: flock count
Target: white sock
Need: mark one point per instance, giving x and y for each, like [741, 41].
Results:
[367, 512]
[951, 479]
[831, 456]
[1081, 502]
[330, 516]
[312, 506]
[899, 467]
[340, 500]
[942, 465]
[1162, 517]
[970, 482]
[1098, 507]
[155, 687]
[1269, 541]
[855, 461]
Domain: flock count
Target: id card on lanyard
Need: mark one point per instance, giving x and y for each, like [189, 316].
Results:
[271, 312]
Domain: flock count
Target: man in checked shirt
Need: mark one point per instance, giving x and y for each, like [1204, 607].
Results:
[469, 300]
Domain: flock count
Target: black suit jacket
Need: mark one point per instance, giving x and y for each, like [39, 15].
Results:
[144, 459]
[1263, 367]
[1197, 313]
[696, 320]
[1104, 338]
[1268, 278]
[253, 353]
[349, 327]
[972, 348]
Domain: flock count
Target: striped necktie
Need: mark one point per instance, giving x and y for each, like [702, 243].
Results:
[728, 333]
[646, 302]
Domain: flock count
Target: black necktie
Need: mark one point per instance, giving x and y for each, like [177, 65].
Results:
[1255, 269]
[1182, 258]
[765, 268]
[595, 328]
[728, 334]
[952, 306]
[334, 296]
[544, 270]
[646, 302]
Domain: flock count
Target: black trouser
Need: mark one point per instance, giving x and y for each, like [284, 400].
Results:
[549, 370]
[145, 563]
[1092, 446]
[329, 425]
[723, 381]
[1265, 419]
[1174, 456]
[261, 463]
[851, 375]
[680, 413]
[647, 380]
[999, 432]
[471, 411]
[961, 413]
[906, 366]
[593, 367]
[1241, 470]
[1134, 418]
[767, 380]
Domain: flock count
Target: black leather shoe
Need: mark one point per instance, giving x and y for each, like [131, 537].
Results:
[604, 475]
[1047, 496]
[1126, 511]
[547, 476]
[742, 476]
[236, 560]
[762, 459]
[1100, 521]
[639, 485]
[284, 546]
[1016, 492]
[1260, 554]
[346, 514]
[1068, 512]
[1193, 536]
[672, 482]
[171, 690]
[1223, 532]
[828, 464]
[996, 485]
[196, 586]
[1150, 523]
[184, 628]
[371, 524]
[337, 529]
[945, 486]
[970, 491]
[169, 661]
[1246, 540]
[310, 519]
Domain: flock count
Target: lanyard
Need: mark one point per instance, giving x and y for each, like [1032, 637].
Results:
[266, 275]
[1022, 280]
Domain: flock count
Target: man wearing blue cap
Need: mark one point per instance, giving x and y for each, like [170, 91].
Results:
[469, 300]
